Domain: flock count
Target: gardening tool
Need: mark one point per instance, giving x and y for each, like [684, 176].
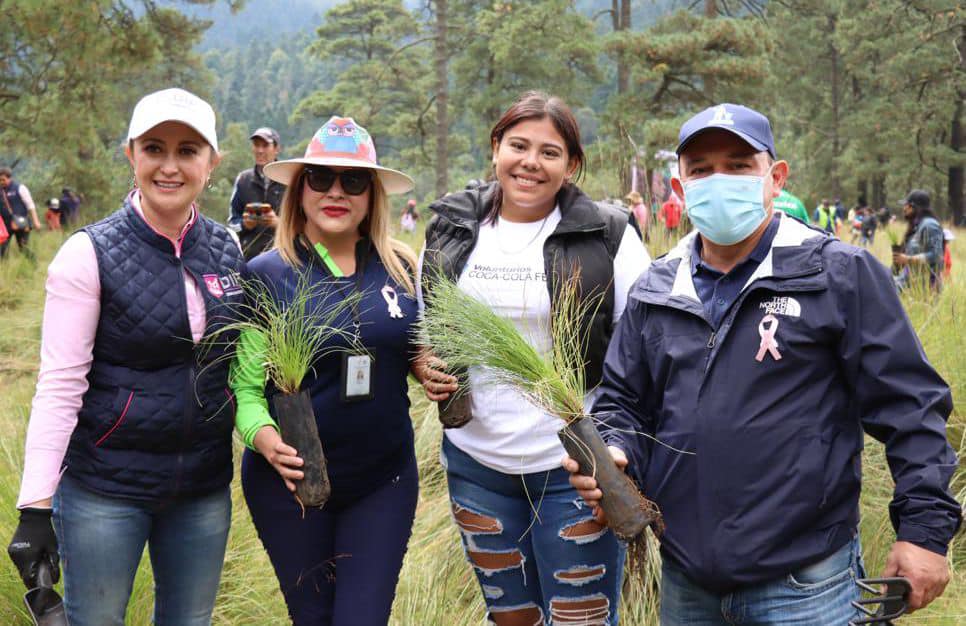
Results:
[43, 604]
[892, 603]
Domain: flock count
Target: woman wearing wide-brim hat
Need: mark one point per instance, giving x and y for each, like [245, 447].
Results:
[338, 564]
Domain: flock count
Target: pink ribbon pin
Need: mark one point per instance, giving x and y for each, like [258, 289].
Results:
[768, 343]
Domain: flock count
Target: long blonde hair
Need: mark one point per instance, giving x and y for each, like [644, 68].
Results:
[399, 258]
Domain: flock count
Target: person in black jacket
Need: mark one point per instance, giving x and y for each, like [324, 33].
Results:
[129, 441]
[255, 199]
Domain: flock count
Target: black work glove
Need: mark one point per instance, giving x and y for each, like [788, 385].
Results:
[33, 541]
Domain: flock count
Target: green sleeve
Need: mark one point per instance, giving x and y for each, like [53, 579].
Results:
[247, 380]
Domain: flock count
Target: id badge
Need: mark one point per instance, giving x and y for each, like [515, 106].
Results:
[356, 377]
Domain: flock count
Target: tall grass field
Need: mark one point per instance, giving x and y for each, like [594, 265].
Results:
[436, 585]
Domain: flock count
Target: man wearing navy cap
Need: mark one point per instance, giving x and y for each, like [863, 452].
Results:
[738, 384]
[255, 199]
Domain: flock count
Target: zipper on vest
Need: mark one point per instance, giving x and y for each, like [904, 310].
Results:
[187, 422]
[711, 339]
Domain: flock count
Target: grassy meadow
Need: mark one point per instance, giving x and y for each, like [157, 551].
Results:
[436, 585]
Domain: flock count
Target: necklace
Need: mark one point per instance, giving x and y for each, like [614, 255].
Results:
[499, 241]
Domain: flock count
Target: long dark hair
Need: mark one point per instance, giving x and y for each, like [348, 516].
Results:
[537, 105]
[920, 214]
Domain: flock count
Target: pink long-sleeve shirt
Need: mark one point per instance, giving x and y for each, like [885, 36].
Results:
[71, 313]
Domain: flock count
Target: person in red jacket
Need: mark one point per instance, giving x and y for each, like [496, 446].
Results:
[670, 213]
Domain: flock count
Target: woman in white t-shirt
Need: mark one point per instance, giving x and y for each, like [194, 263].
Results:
[537, 551]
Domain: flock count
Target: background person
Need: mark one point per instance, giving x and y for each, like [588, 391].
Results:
[253, 222]
[410, 216]
[643, 215]
[948, 237]
[670, 213]
[509, 243]
[70, 202]
[841, 215]
[53, 214]
[825, 216]
[129, 440]
[17, 211]
[922, 246]
[869, 225]
[339, 564]
[765, 349]
[791, 205]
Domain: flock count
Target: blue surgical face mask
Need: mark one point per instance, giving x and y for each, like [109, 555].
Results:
[725, 208]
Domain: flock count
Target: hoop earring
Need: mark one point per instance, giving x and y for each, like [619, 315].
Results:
[209, 182]
[134, 182]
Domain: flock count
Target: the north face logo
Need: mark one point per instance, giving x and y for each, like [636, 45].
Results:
[721, 116]
[782, 305]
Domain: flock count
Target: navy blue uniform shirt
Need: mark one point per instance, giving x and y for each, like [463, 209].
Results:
[366, 442]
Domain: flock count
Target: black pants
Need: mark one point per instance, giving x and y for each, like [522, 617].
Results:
[22, 236]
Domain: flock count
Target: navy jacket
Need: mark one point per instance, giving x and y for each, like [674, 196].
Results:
[366, 442]
[769, 477]
[156, 420]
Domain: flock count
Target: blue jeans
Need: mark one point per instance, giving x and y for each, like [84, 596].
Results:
[339, 564]
[101, 542]
[537, 552]
[819, 594]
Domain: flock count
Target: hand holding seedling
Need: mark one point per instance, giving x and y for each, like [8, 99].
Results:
[283, 457]
[926, 571]
[586, 486]
[430, 371]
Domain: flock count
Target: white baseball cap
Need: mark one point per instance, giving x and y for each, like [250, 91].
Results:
[174, 105]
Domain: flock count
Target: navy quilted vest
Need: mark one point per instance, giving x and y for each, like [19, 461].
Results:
[157, 419]
[12, 192]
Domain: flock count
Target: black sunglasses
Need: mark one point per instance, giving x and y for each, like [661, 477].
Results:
[353, 182]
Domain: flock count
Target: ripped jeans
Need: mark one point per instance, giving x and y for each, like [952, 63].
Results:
[536, 550]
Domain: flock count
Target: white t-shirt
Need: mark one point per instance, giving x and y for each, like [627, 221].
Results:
[506, 271]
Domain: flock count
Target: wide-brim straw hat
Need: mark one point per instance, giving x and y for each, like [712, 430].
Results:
[341, 143]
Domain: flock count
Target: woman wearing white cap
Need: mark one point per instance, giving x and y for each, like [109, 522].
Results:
[129, 441]
[339, 564]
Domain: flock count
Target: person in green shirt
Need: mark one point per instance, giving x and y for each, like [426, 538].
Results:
[791, 205]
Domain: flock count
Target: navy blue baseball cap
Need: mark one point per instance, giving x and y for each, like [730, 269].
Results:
[749, 125]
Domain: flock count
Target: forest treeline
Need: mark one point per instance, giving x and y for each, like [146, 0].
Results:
[866, 97]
